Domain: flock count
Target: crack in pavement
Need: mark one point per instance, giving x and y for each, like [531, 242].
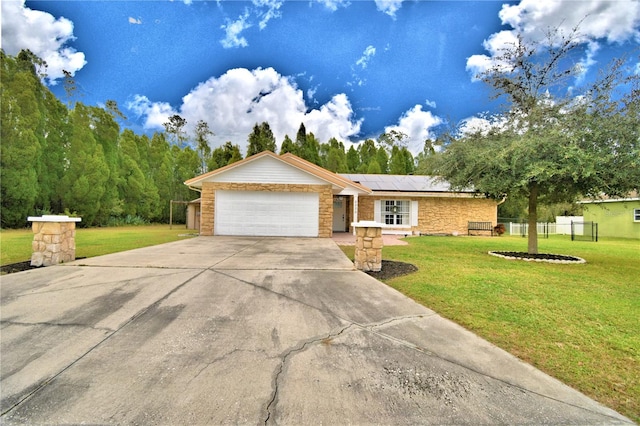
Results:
[374, 328]
[284, 358]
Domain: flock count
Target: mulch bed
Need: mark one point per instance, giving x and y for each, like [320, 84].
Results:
[393, 269]
[17, 267]
[541, 257]
[22, 266]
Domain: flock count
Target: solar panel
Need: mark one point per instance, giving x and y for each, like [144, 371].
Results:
[400, 183]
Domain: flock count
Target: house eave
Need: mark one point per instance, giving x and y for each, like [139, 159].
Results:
[429, 194]
[613, 200]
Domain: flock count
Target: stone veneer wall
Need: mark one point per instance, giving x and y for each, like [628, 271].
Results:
[368, 250]
[208, 195]
[53, 243]
[440, 215]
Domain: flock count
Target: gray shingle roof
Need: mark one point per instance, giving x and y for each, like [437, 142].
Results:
[400, 183]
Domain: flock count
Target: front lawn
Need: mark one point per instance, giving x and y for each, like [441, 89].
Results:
[15, 244]
[579, 323]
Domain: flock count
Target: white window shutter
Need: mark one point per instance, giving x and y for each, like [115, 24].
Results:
[377, 211]
[414, 213]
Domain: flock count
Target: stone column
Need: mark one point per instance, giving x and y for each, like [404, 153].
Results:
[368, 253]
[54, 239]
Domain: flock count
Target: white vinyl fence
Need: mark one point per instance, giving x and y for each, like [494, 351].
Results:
[561, 227]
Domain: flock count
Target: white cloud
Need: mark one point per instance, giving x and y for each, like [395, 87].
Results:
[430, 104]
[417, 125]
[268, 9]
[233, 29]
[156, 113]
[495, 44]
[135, 21]
[597, 21]
[368, 53]
[614, 21]
[234, 102]
[390, 7]
[43, 34]
[333, 119]
[333, 5]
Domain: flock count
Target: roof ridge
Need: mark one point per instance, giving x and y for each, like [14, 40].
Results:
[289, 156]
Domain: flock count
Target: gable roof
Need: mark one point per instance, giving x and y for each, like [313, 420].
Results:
[313, 168]
[290, 160]
[402, 183]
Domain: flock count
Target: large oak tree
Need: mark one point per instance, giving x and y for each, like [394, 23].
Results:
[551, 144]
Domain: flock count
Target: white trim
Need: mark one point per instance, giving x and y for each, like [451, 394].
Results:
[636, 213]
[377, 211]
[613, 200]
[53, 218]
[413, 213]
[394, 195]
[355, 211]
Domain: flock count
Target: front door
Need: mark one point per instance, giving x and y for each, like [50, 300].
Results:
[339, 214]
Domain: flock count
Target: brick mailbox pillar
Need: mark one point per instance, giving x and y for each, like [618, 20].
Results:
[368, 254]
[54, 239]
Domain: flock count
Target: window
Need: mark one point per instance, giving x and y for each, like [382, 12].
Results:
[396, 212]
[636, 215]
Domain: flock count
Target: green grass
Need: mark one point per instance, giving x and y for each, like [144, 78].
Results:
[15, 244]
[578, 323]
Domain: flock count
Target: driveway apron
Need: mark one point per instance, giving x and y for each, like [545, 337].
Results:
[220, 330]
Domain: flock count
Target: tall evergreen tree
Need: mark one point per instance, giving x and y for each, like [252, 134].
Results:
[383, 160]
[335, 157]
[287, 146]
[261, 139]
[20, 148]
[174, 128]
[106, 131]
[353, 160]
[202, 144]
[225, 155]
[374, 167]
[161, 166]
[301, 137]
[87, 172]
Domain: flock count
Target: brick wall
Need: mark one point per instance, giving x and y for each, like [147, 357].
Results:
[207, 214]
[440, 215]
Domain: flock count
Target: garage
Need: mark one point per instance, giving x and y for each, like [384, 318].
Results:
[262, 213]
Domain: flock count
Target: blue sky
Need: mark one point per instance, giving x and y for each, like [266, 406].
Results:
[351, 70]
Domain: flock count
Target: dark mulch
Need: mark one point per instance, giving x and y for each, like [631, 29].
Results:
[17, 267]
[542, 257]
[392, 269]
[22, 266]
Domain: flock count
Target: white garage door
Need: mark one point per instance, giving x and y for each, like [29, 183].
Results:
[258, 213]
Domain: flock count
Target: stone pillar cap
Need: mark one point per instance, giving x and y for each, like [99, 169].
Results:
[367, 224]
[53, 218]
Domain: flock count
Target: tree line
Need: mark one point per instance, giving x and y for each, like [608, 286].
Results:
[76, 158]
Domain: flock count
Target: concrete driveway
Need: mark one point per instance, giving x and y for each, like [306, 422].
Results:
[219, 330]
